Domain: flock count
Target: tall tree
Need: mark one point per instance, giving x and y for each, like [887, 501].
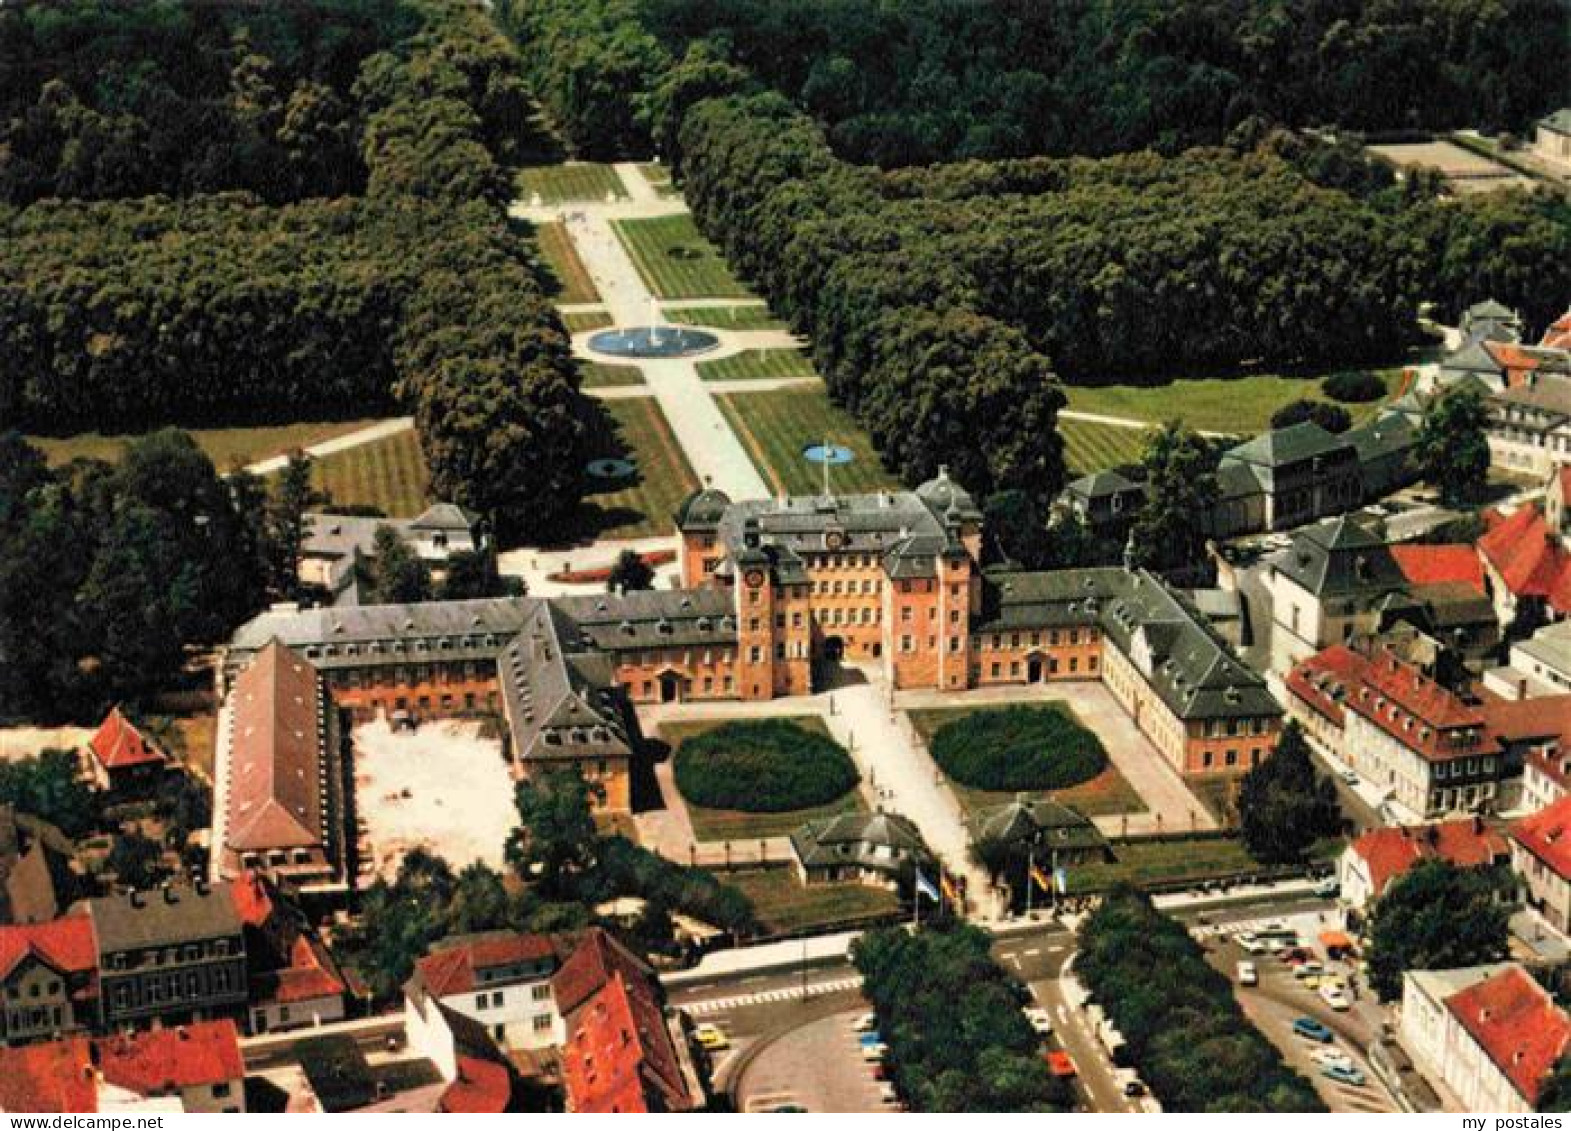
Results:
[1453, 445]
[395, 575]
[556, 836]
[630, 572]
[1284, 806]
[1169, 531]
[1435, 917]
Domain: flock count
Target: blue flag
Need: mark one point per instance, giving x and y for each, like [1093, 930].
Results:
[924, 886]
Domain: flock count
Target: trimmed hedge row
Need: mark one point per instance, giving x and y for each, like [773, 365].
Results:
[1019, 748]
[763, 766]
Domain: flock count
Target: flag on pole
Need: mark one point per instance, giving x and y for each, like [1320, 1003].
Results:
[1041, 878]
[924, 886]
[1061, 878]
[951, 892]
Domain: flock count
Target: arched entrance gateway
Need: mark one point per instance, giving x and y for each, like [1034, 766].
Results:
[670, 687]
[1038, 668]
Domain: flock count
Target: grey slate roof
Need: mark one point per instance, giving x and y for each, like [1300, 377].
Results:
[1039, 821]
[1339, 556]
[702, 510]
[444, 516]
[849, 839]
[1559, 121]
[1282, 446]
[182, 913]
[1101, 485]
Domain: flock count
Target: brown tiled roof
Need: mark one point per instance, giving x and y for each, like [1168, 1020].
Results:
[201, 1054]
[452, 969]
[1517, 1024]
[1466, 843]
[118, 745]
[275, 790]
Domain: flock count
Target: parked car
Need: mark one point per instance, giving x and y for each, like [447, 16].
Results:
[1328, 1058]
[871, 1038]
[1312, 1030]
[1343, 1075]
[1060, 1064]
[1247, 974]
[865, 1023]
[1252, 944]
[1295, 955]
[1305, 969]
[1349, 776]
[1333, 996]
[874, 1053]
[1134, 1088]
[711, 1037]
[1040, 1019]
[887, 1094]
[1328, 888]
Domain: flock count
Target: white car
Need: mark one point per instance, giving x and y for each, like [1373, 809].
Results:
[866, 1023]
[1252, 944]
[1349, 776]
[1332, 1058]
[874, 1053]
[1040, 1020]
[1308, 969]
[1247, 974]
[1333, 996]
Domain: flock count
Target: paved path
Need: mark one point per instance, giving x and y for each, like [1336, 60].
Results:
[1169, 803]
[756, 385]
[637, 185]
[1124, 422]
[378, 431]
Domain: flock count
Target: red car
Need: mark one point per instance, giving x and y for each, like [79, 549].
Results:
[1059, 1064]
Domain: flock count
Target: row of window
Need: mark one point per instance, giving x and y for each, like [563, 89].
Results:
[399, 646]
[1229, 758]
[157, 989]
[169, 956]
[1054, 638]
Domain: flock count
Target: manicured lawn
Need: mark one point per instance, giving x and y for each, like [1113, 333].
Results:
[635, 429]
[675, 260]
[1238, 406]
[1171, 861]
[758, 365]
[573, 281]
[389, 474]
[776, 425]
[599, 375]
[1093, 447]
[659, 178]
[576, 180]
[717, 825]
[1107, 793]
[784, 903]
[577, 321]
[751, 316]
[226, 447]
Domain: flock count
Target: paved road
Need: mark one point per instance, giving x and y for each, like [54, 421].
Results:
[378, 431]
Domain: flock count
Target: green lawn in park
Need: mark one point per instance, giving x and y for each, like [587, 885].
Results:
[675, 261]
[759, 365]
[575, 181]
[776, 425]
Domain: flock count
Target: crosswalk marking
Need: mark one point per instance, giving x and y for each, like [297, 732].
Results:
[785, 993]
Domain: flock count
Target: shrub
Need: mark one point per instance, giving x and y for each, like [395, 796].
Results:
[1354, 386]
[763, 766]
[1332, 417]
[1019, 748]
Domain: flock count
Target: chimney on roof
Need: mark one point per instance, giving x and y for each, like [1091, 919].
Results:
[1478, 825]
[1483, 1015]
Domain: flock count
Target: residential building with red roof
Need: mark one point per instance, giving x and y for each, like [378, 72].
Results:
[1439, 564]
[1527, 565]
[622, 1052]
[279, 799]
[1373, 861]
[1541, 856]
[1317, 689]
[500, 979]
[1486, 1036]
[294, 980]
[121, 757]
[194, 1069]
[1529, 425]
[48, 979]
[1558, 335]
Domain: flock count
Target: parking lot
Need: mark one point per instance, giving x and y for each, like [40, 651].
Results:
[1298, 996]
[817, 1067]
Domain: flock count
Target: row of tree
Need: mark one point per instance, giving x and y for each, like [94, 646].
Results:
[1183, 1027]
[951, 1017]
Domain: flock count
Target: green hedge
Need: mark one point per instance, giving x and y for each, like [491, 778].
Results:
[1354, 386]
[763, 766]
[1019, 748]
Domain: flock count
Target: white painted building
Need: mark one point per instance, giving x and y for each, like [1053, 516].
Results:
[502, 979]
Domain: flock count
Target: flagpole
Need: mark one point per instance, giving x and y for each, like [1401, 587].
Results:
[1055, 881]
[1030, 879]
[916, 901]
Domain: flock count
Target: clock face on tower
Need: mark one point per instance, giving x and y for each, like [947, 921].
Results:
[754, 578]
[834, 540]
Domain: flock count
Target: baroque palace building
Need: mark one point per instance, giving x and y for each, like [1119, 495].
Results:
[774, 595]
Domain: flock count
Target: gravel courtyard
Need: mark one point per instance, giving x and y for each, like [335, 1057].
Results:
[444, 787]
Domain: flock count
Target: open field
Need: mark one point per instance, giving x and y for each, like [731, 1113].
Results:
[776, 425]
[576, 180]
[1109, 793]
[1092, 447]
[1237, 405]
[784, 903]
[758, 365]
[600, 375]
[716, 825]
[572, 277]
[444, 787]
[1165, 861]
[388, 474]
[577, 321]
[635, 429]
[675, 260]
[226, 447]
[750, 316]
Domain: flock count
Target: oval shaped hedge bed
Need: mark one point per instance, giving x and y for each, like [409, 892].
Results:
[1018, 748]
[763, 766]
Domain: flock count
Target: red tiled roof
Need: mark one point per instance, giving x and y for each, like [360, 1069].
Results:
[118, 745]
[1544, 720]
[1517, 1023]
[275, 798]
[1558, 336]
[482, 1087]
[1439, 565]
[66, 944]
[1544, 834]
[1390, 852]
[253, 902]
[1325, 679]
[1423, 715]
[311, 974]
[1528, 557]
[165, 1060]
[54, 1077]
[451, 970]
[618, 1056]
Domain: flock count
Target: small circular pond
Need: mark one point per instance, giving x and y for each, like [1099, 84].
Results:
[653, 342]
[831, 454]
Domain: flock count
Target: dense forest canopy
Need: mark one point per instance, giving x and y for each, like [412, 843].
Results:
[902, 82]
[113, 98]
